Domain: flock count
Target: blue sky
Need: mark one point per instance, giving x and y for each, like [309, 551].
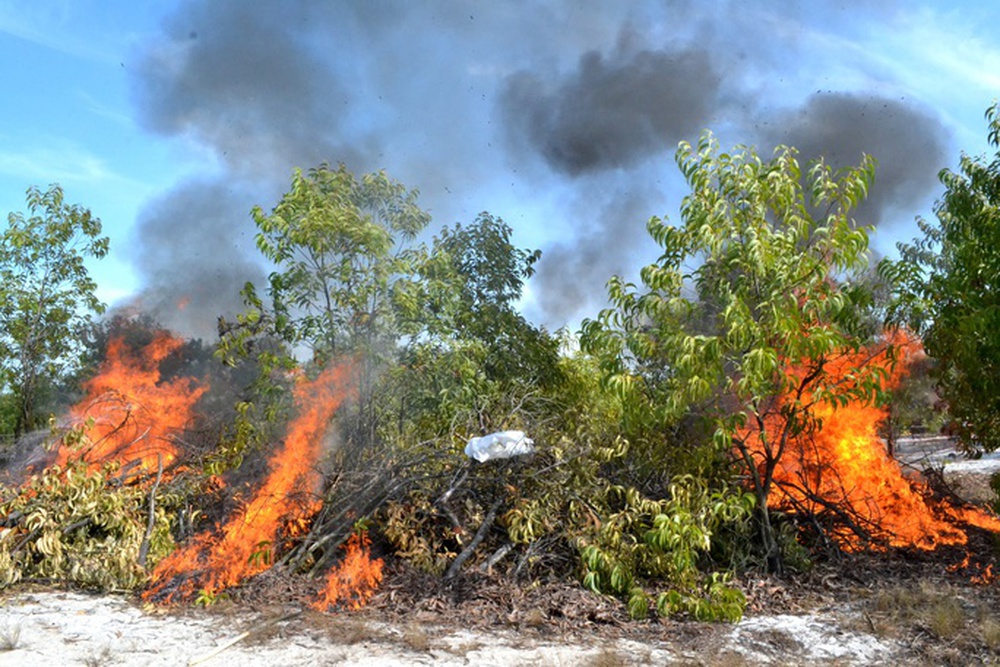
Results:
[171, 120]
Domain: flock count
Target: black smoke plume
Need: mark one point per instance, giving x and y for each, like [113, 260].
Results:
[482, 106]
[906, 140]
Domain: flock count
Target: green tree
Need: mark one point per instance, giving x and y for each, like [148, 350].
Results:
[46, 295]
[341, 246]
[949, 293]
[469, 350]
[758, 290]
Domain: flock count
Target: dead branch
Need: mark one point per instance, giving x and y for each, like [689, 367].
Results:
[144, 546]
[240, 637]
[480, 535]
[497, 556]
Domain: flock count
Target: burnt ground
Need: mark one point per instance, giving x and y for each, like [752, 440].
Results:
[892, 608]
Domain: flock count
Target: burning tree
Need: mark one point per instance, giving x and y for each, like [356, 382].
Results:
[749, 334]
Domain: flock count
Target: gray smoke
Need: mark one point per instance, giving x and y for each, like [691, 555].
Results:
[600, 124]
[611, 112]
[240, 80]
[479, 105]
[572, 276]
[195, 252]
[908, 143]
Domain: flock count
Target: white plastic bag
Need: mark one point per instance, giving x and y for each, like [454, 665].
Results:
[501, 445]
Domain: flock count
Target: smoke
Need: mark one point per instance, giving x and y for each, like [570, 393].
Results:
[240, 81]
[195, 254]
[600, 125]
[572, 110]
[611, 112]
[571, 279]
[906, 140]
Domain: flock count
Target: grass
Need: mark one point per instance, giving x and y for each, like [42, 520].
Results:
[990, 630]
[607, 657]
[10, 637]
[347, 630]
[416, 638]
[535, 618]
[945, 618]
[104, 657]
[943, 624]
[937, 610]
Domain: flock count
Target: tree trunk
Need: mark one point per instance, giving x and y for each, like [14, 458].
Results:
[774, 559]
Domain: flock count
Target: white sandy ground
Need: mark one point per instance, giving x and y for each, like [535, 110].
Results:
[66, 628]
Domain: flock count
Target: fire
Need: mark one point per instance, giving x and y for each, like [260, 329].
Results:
[978, 573]
[844, 465]
[130, 415]
[217, 560]
[355, 580]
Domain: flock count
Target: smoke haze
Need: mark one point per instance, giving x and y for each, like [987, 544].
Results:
[572, 109]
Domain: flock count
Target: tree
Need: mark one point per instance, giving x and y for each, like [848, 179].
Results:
[46, 295]
[469, 349]
[491, 273]
[949, 293]
[749, 334]
[341, 245]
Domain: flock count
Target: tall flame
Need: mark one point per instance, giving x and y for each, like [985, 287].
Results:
[216, 560]
[844, 464]
[129, 415]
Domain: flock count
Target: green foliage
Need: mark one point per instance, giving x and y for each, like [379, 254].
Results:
[342, 250]
[340, 246]
[80, 527]
[471, 358]
[718, 601]
[781, 290]
[251, 347]
[8, 415]
[949, 293]
[473, 278]
[45, 295]
[914, 406]
[665, 540]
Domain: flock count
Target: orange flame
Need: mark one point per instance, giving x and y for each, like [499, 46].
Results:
[355, 580]
[978, 574]
[844, 464]
[129, 415]
[216, 560]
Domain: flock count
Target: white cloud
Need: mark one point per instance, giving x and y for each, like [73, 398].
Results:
[61, 162]
[49, 25]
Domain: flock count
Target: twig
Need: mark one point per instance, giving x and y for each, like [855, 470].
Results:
[240, 637]
[208, 656]
[446, 496]
[497, 556]
[77, 524]
[456, 565]
[144, 546]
